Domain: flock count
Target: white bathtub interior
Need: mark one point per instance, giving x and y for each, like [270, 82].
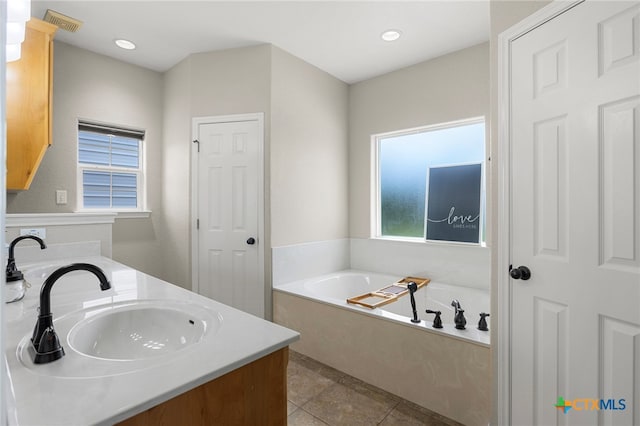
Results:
[335, 288]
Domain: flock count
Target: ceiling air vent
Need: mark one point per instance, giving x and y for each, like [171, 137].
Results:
[62, 21]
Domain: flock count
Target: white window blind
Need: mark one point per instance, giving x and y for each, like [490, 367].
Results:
[110, 167]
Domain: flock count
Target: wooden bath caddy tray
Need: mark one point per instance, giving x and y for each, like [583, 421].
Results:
[387, 294]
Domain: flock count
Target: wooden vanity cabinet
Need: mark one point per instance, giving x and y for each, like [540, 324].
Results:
[28, 105]
[255, 394]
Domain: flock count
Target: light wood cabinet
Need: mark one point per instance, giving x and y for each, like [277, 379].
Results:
[255, 394]
[28, 107]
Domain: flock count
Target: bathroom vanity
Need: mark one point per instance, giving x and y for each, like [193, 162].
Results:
[144, 352]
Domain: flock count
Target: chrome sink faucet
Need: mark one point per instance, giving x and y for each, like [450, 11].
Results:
[45, 341]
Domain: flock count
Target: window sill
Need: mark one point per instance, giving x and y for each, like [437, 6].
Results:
[134, 215]
[144, 214]
[62, 219]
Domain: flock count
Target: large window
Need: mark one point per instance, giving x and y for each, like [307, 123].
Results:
[110, 168]
[405, 159]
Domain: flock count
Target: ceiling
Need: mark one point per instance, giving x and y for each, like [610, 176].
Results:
[339, 37]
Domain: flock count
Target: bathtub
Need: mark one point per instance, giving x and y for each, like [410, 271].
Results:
[336, 288]
[445, 370]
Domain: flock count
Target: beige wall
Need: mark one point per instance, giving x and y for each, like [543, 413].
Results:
[448, 88]
[234, 81]
[309, 153]
[94, 87]
[504, 14]
[316, 138]
[175, 225]
[305, 144]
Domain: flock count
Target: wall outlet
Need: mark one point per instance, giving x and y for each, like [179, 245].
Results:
[36, 232]
[61, 196]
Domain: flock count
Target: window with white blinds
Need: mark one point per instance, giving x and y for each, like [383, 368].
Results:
[110, 167]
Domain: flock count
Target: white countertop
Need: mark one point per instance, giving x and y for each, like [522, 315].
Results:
[108, 394]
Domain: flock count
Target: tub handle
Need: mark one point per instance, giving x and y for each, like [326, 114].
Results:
[482, 324]
[437, 321]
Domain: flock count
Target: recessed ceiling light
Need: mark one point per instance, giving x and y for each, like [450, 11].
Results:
[125, 44]
[390, 35]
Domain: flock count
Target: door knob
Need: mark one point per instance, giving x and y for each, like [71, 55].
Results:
[520, 273]
[251, 241]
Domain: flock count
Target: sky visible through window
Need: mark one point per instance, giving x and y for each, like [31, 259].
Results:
[403, 164]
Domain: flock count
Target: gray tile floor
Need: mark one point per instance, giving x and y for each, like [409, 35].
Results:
[320, 395]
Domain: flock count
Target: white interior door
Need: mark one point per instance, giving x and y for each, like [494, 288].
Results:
[575, 218]
[227, 238]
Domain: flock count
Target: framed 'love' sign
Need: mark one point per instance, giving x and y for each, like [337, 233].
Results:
[454, 203]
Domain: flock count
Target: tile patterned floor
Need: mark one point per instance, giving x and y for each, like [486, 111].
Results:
[319, 395]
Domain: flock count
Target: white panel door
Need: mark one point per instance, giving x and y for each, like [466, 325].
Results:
[575, 218]
[227, 214]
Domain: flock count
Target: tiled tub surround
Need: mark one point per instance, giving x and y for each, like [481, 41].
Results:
[456, 264]
[466, 265]
[300, 261]
[444, 374]
[446, 371]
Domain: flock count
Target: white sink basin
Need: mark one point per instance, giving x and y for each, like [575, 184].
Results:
[136, 332]
[120, 338]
